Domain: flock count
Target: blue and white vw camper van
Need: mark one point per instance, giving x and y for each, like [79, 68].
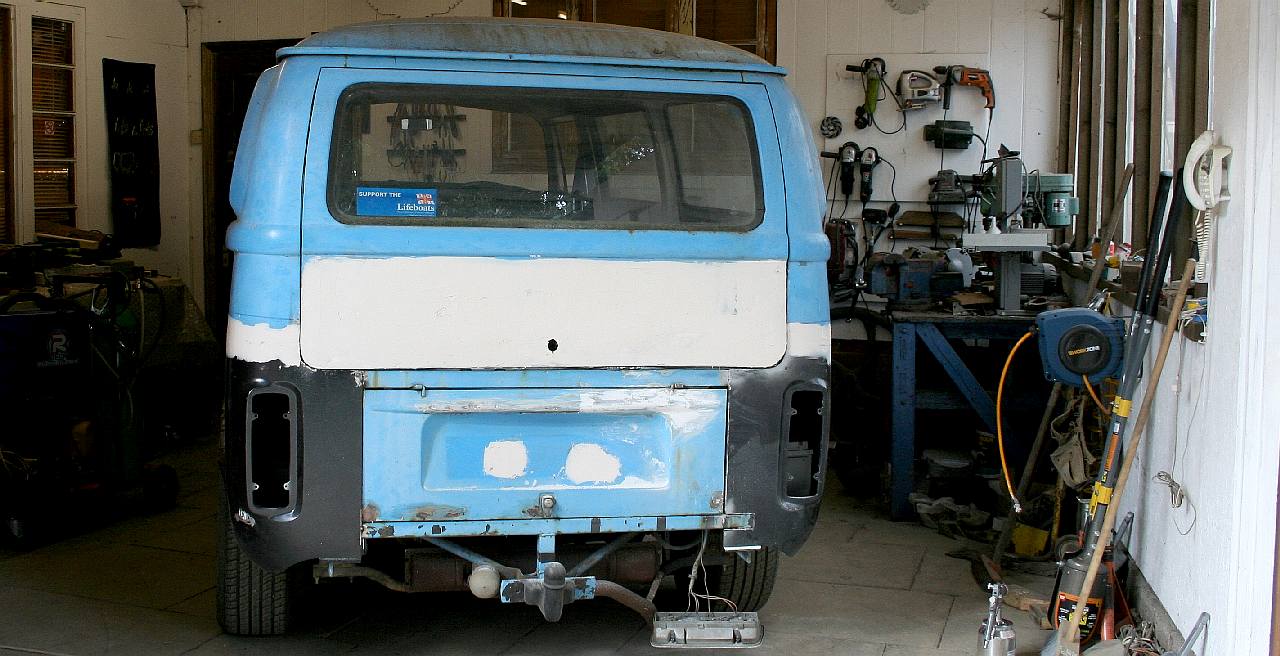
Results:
[532, 308]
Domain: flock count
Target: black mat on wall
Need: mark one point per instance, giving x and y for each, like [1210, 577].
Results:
[133, 151]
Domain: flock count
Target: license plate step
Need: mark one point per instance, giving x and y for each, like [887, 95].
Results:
[718, 630]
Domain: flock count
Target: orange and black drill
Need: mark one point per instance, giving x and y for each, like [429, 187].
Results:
[966, 77]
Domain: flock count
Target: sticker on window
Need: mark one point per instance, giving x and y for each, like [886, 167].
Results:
[387, 201]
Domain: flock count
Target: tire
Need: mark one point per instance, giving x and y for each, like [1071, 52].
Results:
[251, 601]
[748, 585]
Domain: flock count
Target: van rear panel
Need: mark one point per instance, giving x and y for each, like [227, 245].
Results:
[495, 454]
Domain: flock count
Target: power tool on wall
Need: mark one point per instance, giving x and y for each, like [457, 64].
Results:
[966, 76]
[872, 70]
[857, 165]
[918, 89]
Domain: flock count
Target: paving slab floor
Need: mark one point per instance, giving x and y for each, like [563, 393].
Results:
[862, 586]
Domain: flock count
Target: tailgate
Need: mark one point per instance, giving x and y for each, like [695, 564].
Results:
[491, 454]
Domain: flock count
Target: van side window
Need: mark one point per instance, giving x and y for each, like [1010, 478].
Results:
[423, 155]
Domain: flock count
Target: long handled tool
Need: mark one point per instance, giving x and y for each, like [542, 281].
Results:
[1069, 632]
[1073, 571]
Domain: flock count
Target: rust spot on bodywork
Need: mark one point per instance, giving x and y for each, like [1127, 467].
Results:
[534, 511]
[369, 513]
[387, 531]
[429, 512]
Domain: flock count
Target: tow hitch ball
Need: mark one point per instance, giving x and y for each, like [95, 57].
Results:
[549, 591]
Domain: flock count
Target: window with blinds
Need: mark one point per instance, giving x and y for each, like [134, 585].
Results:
[53, 117]
[6, 126]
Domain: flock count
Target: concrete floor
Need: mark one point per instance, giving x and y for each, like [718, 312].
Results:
[862, 586]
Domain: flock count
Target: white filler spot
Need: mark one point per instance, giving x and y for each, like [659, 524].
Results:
[590, 463]
[809, 340]
[506, 459]
[262, 343]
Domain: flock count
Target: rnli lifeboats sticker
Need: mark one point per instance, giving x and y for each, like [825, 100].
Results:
[385, 201]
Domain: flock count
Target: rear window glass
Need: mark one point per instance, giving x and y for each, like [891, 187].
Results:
[526, 157]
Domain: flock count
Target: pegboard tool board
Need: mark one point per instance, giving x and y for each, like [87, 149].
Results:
[916, 159]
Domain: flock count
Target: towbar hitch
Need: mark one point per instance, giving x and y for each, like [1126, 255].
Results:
[549, 590]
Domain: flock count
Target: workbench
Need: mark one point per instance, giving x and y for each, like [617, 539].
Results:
[936, 330]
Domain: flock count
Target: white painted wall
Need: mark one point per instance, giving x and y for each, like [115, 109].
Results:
[1014, 39]
[152, 32]
[1216, 402]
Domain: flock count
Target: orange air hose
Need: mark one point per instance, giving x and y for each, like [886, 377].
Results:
[1004, 464]
[1094, 395]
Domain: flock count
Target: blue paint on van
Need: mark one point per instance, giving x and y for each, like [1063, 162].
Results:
[556, 453]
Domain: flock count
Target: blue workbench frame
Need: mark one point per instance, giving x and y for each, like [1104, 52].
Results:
[935, 331]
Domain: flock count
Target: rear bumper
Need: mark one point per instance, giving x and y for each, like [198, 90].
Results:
[321, 517]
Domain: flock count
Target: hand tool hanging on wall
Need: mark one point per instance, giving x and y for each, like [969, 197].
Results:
[872, 70]
[868, 159]
[830, 127]
[1073, 573]
[850, 158]
[918, 89]
[965, 76]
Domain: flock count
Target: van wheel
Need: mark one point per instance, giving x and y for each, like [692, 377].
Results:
[250, 600]
[748, 585]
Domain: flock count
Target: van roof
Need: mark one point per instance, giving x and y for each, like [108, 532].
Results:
[528, 39]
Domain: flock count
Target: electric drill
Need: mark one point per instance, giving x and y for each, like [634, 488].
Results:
[977, 77]
[966, 77]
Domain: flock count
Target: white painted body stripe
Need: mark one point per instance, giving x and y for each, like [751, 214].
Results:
[474, 312]
[261, 343]
[809, 340]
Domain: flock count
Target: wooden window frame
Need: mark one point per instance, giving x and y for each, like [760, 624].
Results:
[24, 230]
[9, 229]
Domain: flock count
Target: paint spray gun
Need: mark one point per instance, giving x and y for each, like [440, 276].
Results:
[997, 637]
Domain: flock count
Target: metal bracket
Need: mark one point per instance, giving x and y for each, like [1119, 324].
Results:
[550, 591]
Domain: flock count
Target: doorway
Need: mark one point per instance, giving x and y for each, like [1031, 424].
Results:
[229, 71]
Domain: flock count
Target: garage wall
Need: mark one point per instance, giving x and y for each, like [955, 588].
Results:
[1017, 40]
[1216, 404]
[152, 32]
[145, 31]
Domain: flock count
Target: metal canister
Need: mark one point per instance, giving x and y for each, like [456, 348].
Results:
[998, 642]
[996, 637]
